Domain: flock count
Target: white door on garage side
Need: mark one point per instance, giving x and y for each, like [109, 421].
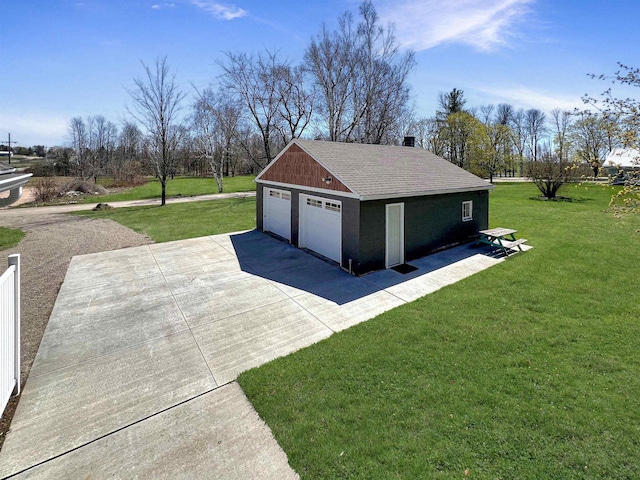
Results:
[321, 226]
[394, 251]
[276, 212]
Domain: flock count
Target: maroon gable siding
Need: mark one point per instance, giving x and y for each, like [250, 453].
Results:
[296, 167]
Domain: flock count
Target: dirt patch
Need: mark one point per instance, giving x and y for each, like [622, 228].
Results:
[46, 251]
[28, 195]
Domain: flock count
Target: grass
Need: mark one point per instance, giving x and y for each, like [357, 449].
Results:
[185, 186]
[527, 370]
[10, 237]
[184, 220]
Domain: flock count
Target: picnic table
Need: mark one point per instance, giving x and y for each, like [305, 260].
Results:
[502, 238]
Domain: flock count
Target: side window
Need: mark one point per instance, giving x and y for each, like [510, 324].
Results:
[467, 211]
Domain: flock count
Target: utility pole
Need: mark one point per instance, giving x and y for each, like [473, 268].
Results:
[10, 148]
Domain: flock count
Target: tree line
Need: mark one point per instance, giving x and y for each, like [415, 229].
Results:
[351, 86]
[492, 140]
[33, 151]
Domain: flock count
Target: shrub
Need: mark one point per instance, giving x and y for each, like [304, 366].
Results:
[550, 173]
[45, 189]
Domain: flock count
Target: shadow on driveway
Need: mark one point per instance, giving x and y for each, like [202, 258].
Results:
[263, 255]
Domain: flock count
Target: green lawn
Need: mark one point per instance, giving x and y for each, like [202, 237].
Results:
[527, 370]
[9, 237]
[185, 186]
[185, 220]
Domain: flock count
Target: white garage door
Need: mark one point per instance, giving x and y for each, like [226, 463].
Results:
[321, 226]
[276, 212]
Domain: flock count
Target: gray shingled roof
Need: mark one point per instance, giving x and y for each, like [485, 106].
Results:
[373, 171]
[6, 169]
[9, 179]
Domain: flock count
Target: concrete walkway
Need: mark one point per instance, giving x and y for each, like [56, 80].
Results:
[135, 374]
[75, 207]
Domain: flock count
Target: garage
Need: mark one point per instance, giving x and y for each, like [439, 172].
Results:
[276, 212]
[369, 207]
[321, 226]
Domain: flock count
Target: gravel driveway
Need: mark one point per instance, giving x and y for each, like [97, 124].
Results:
[51, 240]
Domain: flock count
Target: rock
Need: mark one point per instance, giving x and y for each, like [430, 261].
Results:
[101, 206]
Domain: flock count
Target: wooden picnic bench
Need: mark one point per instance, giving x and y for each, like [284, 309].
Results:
[502, 238]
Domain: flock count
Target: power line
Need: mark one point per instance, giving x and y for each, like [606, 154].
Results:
[10, 142]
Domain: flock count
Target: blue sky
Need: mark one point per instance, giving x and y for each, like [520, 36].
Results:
[66, 58]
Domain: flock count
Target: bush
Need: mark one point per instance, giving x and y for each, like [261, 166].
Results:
[45, 189]
[550, 173]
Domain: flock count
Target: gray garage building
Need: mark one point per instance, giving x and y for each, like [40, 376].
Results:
[369, 207]
[13, 182]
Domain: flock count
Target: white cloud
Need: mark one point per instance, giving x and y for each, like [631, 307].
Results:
[482, 24]
[523, 97]
[218, 10]
[156, 6]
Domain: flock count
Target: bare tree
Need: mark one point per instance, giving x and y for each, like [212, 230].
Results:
[79, 143]
[297, 102]
[504, 113]
[254, 80]
[329, 59]
[157, 101]
[503, 116]
[535, 124]
[520, 136]
[205, 128]
[361, 77]
[486, 114]
[621, 112]
[381, 95]
[562, 124]
[128, 153]
[101, 140]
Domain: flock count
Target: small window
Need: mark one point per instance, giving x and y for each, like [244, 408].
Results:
[273, 193]
[467, 211]
[314, 203]
[334, 207]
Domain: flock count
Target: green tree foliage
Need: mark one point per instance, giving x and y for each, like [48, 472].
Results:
[490, 148]
[457, 131]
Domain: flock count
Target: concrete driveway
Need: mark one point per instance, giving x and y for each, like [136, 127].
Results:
[135, 374]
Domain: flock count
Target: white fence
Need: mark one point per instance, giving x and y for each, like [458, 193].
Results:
[10, 331]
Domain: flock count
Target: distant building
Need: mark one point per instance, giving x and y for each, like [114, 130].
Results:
[622, 159]
[4, 154]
